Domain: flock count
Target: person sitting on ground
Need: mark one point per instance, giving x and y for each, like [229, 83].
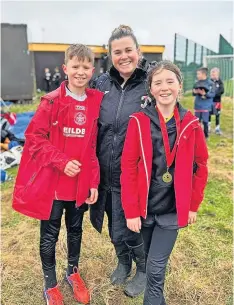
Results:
[8, 139]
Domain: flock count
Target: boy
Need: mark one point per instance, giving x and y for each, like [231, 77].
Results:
[56, 78]
[59, 168]
[216, 107]
[47, 79]
[203, 91]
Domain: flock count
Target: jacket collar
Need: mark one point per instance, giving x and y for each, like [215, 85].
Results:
[60, 93]
[151, 112]
[137, 76]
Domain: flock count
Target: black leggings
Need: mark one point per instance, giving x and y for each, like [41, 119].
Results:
[217, 118]
[206, 129]
[50, 232]
[158, 244]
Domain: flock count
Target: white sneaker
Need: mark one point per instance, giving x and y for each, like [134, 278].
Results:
[209, 127]
[218, 131]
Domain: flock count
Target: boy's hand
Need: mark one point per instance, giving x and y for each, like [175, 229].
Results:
[195, 91]
[192, 217]
[202, 92]
[134, 224]
[93, 196]
[72, 168]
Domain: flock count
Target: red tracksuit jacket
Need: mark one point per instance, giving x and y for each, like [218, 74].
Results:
[44, 160]
[136, 165]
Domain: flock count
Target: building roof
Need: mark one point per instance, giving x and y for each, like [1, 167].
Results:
[61, 47]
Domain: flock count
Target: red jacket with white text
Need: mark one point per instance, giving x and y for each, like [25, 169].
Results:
[44, 157]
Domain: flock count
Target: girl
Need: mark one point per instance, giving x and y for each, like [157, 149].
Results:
[164, 173]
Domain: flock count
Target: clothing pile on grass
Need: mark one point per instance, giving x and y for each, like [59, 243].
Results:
[12, 138]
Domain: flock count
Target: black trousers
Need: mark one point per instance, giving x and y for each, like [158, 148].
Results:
[49, 233]
[132, 242]
[47, 85]
[217, 118]
[158, 244]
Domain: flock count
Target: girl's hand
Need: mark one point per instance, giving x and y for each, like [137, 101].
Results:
[192, 217]
[93, 196]
[134, 224]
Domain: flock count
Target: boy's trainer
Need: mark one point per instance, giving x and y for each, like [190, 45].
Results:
[53, 296]
[81, 293]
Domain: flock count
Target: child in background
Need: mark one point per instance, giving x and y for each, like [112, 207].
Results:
[164, 173]
[59, 169]
[204, 93]
[216, 107]
[47, 80]
[56, 78]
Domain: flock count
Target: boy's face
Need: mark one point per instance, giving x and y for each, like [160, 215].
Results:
[79, 72]
[201, 75]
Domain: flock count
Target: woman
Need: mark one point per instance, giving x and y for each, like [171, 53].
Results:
[124, 86]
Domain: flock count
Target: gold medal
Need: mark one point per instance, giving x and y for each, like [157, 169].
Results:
[167, 177]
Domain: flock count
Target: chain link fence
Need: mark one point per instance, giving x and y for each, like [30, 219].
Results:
[188, 56]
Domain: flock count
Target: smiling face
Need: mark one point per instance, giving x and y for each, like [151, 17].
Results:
[165, 87]
[79, 72]
[125, 56]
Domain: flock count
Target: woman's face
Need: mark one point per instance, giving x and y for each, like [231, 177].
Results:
[125, 56]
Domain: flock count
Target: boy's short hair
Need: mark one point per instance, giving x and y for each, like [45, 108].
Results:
[203, 70]
[80, 51]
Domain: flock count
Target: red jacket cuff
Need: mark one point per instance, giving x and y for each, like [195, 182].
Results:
[132, 213]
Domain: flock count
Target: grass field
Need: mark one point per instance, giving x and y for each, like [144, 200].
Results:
[200, 268]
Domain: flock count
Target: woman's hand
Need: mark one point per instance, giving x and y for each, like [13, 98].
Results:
[134, 224]
[192, 217]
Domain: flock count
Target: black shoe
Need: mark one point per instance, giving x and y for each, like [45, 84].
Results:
[123, 270]
[137, 285]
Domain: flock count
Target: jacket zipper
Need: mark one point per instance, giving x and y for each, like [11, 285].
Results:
[31, 180]
[144, 161]
[176, 159]
[115, 134]
[64, 144]
[77, 186]
[186, 128]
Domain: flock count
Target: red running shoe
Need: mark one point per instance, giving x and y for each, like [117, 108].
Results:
[53, 296]
[81, 293]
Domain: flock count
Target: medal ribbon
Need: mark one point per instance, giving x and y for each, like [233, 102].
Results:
[170, 155]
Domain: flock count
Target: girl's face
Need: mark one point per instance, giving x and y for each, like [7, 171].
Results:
[165, 87]
[125, 56]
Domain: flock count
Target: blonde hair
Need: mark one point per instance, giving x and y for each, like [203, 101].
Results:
[80, 51]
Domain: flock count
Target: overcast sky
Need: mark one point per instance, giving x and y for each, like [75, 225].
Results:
[154, 22]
